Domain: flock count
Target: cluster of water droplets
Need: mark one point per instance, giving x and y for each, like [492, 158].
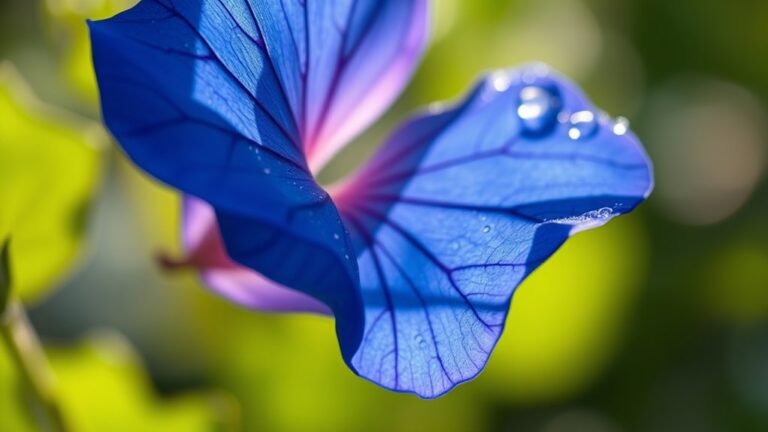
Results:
[601, 215]
[588, 220]
[540, 106]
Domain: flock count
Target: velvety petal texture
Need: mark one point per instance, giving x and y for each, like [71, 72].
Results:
[239, 102]
[460, 205]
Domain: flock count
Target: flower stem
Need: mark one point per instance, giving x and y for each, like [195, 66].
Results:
[25, 348]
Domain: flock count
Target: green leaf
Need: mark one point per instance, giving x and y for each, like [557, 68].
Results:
[50, 163]
[102, 386]
[65, 22]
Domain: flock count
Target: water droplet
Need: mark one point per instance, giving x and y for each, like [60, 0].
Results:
[346, 256]
[603, 213]
[336, 236]
[538, 109]
[487, 229]
[583, 125]
[501, 81]
[267, 171]
[621, 126]
[420, 341]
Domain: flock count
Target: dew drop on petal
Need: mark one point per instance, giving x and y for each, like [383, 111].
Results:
[583, 125]
[487, 229]
[419, 339]
[501, 81]
[267, 171]
[621, 126]
[336, 236]
[538, 109]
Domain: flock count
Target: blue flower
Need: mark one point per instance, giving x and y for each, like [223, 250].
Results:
[237, 103]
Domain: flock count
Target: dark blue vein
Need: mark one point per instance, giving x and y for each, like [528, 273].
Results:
[430, 256]
[387, 295]
[424, 306]
[227, 71]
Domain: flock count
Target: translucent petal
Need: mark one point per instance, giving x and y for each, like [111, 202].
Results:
[459, 206]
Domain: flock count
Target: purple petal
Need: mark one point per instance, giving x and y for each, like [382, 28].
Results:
[371, 72]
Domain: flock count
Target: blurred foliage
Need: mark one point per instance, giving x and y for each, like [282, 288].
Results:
[735, 284]
[66, 27]
[50, 169]
[647, 324]
[561, 335]
[103, 388]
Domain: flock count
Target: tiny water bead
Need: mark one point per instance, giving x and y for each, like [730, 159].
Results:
[538, 109]
[501, 81]
[583, 125]
[487, 229]
[420, 341]
[603, 213]
[621, 126]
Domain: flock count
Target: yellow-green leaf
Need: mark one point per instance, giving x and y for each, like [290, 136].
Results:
[101, 386]
[66, 23]
[49, 167]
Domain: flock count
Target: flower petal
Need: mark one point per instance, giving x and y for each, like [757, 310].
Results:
[189, 91]
[202, 241]
[318, 72]
[459, 206]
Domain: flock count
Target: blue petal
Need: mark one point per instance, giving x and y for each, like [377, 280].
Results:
[459, 206]
[195, 103]
[236, 101]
